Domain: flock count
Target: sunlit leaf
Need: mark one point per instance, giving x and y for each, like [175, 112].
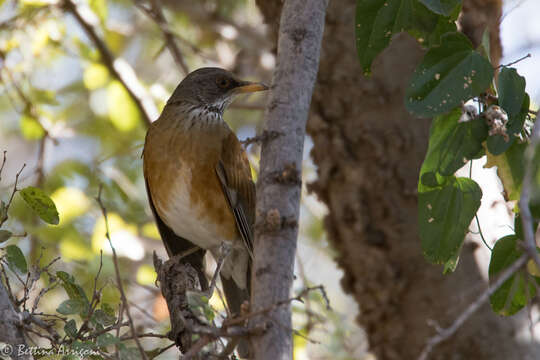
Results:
[146, 275]
[31, 129]
[95, 76]
[99, 7]
[448, 75]
[70, 202]
[41, 203]
[510, 169]
[73, 247]
[150, 230]
[123, 113]
[16, 259]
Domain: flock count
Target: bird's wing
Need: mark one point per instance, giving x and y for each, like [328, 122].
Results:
[234, 174]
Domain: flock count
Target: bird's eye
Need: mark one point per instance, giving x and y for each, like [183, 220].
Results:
[223, 83]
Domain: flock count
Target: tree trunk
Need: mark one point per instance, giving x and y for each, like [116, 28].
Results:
[368, 150]
[279, 184]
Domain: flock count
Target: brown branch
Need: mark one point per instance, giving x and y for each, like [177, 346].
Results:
[118, 277]
[444, 334]
[143, 103]
[156, 14]
[15, 189]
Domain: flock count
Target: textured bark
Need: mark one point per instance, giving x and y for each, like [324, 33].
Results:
[10, 331]
[278, 187]
[368, 150]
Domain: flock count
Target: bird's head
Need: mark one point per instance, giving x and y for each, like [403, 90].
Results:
[212, 89]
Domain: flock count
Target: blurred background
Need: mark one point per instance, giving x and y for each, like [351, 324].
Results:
[69, 118]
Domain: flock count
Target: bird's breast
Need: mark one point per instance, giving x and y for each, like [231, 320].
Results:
[180, 169]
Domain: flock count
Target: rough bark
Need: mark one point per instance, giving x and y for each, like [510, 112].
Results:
[10, 331]
[368, 150]
[279, 185]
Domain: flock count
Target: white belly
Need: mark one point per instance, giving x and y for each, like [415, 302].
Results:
[186, 219]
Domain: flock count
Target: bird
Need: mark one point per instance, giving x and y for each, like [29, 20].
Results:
[198, 179]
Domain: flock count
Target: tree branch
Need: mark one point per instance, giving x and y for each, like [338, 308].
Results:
[444, 334]
[117, 67]
[10, 331]
[155, 13]
[278, 197]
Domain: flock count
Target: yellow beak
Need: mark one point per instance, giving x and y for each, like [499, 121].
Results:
[248, 87]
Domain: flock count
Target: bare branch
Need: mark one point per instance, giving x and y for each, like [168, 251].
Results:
[119, 278]
[117, 67]
[444, 334]
[15, 189]
[156, 14]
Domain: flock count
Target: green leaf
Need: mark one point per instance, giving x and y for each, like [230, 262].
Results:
[71, 306]
[460, 143]
[107, 339]
[497, 144]
[15, 259]
[451, 265]
[41, 203]
[3, 211]
[199, 305]
[31, 129]
[73, 290]
[515, 292]
[71, 329]
[99, 7]
[511, 90]
[43, 96]
[123, 113]
[448, 75]
[451, 144]
[103, 318]
[129, 353]
[510, 169]
[378, 20]
[444, 215]
[442, 7]
[5, 235]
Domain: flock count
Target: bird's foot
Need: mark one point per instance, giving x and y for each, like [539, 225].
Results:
[224, 251]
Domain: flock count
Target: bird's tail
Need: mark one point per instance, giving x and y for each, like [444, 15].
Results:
[235, 298]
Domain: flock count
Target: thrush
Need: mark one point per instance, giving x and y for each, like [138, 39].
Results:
[198, 179]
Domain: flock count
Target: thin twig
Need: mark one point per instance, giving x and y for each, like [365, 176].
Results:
[143, 104]
[118, 277]
[156, 14]
[444, 334]
[3, 163]
[299, 297]
[514, 62]
[15, 189]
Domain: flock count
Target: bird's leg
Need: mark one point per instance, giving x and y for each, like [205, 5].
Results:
[224, 251]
